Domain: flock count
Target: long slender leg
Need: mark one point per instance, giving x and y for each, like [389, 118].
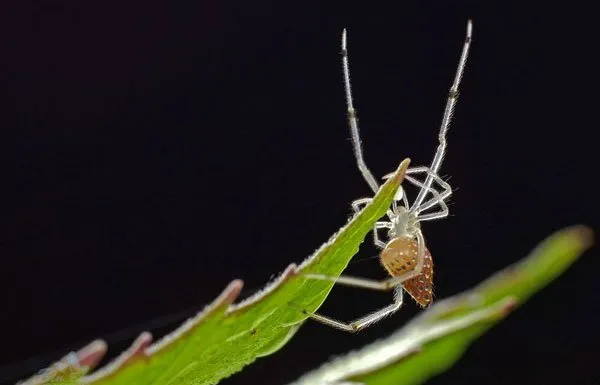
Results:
[433, 216]
[356, 205]
[446, 188]
[373, 284]
[450, 103]
[446, 192]
[353, 121]
[359, 204]
[425, 169]
[380, 225]
[365, 321]
[404, 199]
[438, 199]
[434, 201]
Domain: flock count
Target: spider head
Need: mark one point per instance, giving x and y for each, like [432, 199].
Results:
[404, 223]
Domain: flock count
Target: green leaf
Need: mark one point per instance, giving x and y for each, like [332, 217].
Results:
[224, 338]
[438, 337]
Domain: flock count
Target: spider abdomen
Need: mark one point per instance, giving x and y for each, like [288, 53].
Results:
[399, 257]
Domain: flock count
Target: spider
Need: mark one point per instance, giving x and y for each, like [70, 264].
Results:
[404, 255]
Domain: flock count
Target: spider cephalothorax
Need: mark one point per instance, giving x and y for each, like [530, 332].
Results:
[403, 222]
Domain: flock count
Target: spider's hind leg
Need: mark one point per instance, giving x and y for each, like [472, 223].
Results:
[394, 283]
[362, 322]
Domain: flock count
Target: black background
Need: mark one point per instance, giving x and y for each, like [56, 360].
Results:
[151, 153]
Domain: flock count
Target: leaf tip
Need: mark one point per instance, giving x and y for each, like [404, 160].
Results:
[290, 271]
[140, 345]
[91, 354]
[138, 349]
[581, 234]
[401, 170]
[231, 292]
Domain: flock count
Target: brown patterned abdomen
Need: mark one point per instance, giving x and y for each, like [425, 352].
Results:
[399, 257]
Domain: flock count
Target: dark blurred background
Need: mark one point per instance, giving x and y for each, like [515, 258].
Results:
[151, 153]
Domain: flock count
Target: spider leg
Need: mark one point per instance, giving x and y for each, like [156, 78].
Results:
[445, 125]
[437, 215]
[384, 285]
[373, 284]
[353, 121]
[365, 321]
[380, 225]
[438, 199]
[359, 204]
[446, 188]
[404, 199]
